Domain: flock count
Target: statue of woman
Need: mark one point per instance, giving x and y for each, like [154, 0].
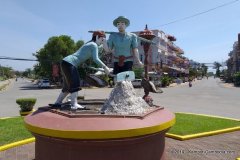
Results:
[69, 64]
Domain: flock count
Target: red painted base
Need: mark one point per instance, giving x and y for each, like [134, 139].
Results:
[99, 137]
[147, 147]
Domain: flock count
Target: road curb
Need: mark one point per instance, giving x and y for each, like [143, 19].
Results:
[210, 116]
[9, 117]
[18, 143]
[204, 134]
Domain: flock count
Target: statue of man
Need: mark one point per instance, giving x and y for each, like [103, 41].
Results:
[123, 45]
[69, 64]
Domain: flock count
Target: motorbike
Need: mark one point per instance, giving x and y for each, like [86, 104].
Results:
[190, 84]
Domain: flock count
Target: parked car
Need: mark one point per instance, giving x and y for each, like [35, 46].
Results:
[44, 83]
[137, 83]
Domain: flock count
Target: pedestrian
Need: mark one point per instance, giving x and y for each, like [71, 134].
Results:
[190, 82]
[69, 64]
[124, 47]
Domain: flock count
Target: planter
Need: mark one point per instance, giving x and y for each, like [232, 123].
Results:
[25, 113]
[26, 105]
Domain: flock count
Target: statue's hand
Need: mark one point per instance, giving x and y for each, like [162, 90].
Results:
[106, 70]
[104, 41]
[139, 64]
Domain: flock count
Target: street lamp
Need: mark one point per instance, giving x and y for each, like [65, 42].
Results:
[146, 83]
[147, 34]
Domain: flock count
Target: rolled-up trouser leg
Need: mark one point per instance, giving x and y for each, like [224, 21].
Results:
[71, 77]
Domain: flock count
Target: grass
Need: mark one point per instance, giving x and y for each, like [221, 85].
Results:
[13, 129]
[187, 124]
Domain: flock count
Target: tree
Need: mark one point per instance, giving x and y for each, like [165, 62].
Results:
[217, 66]
[236, 78]
[18, 73]
[79, 44]
[28, 73]
[193, 72]
[56, 48]
[204, 69]
[6, 72]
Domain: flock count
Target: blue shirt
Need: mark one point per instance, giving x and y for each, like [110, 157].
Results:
[87, 51]
[122, 43]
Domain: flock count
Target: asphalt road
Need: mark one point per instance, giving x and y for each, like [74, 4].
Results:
[205, 97]
[23, 88]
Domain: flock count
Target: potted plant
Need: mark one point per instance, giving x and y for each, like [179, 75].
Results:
[26, 105]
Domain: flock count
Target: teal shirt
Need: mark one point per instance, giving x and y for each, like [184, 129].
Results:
[87, 51]
[122, 44]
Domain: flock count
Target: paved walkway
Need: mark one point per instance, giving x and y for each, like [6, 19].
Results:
[219, 147]
[3, 83]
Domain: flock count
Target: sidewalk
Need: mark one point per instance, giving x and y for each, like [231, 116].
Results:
[219, 147]
[5, 84]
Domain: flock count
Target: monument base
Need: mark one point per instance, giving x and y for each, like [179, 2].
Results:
[88, 135]
[147, 147]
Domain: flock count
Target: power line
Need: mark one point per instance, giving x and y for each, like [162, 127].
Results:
[20, 59]
[200, 13]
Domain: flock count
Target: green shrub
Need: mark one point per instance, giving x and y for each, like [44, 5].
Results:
[236, 79]
[26, 104]
[165, 81]
[138, 72]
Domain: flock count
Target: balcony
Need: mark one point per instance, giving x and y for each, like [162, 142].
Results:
[173, 48]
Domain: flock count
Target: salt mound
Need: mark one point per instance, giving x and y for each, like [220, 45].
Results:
[123, 100]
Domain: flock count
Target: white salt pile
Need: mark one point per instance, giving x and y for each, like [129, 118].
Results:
[123, 100]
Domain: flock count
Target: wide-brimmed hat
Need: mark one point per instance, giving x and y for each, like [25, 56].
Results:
[99, 34]
[121, 19]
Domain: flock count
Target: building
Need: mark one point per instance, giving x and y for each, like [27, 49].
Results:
[164, 55]
[233, 63]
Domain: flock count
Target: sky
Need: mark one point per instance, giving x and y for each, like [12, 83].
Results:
[26, 25]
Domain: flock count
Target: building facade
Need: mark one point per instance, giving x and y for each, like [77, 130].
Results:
[164, 55]
[233, 63]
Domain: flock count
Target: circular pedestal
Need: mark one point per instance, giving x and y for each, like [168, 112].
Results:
[99, 137]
